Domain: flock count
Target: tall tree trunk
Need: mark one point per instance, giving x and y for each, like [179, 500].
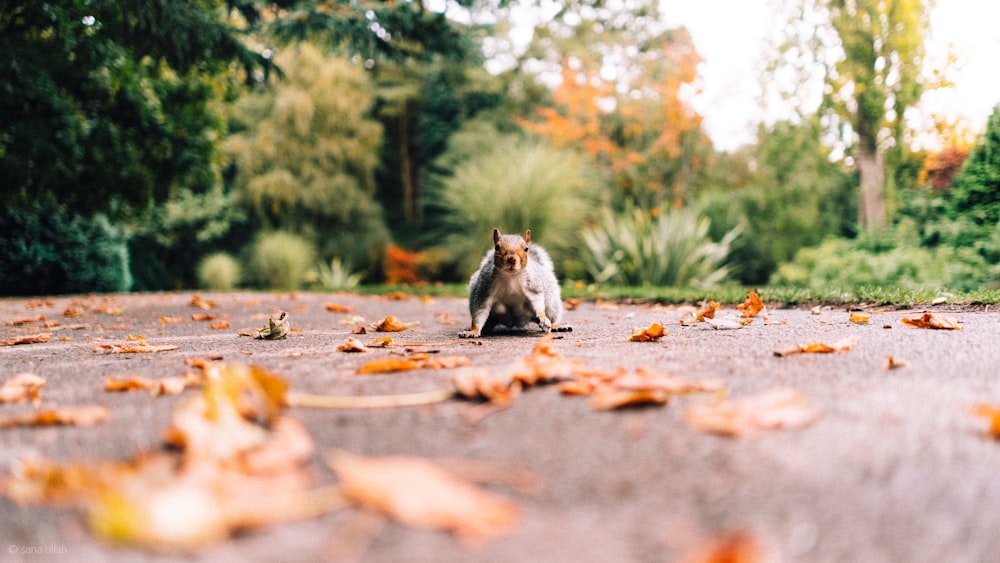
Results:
[871, 165]
[410, 195]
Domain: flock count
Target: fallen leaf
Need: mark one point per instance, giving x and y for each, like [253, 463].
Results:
[752, 305]
[156, 387]
[543, 364]
[420, 494]
[859, 318]
[352, 345]
[843, 345]
[73, 311]
[410, 363]
[653, 333]
[572, 303]
[482, 384]
[65, 416]
[892, 363]
[138, 348]
[22, 387]
[778, 408]
[197, 301]
[30, 339]
[219, 324]
[170, 320]
[622, 388]
[335, 308]
[392, 324]
[202, 317]
[369, 401]
[992, 414]
[381, 342]
[707, 310]
[932, 321]
[727, 322]
[26, 320]
[817, 310]
[733, 547]
[276, 329]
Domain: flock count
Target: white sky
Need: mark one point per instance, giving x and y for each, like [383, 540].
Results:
[730, 34]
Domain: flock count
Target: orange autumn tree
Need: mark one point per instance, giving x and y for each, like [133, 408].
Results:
[620, 98]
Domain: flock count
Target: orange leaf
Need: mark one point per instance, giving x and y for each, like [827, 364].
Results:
[352, 345]
[932, 321]
[170, 320]
[654, 332]
[734, 547]
[778, 408]
[752, 305]
[65, 416]
[22, 387]
[859, 318]
[480, 383]
[335, 308]
[388, 365]
[543, 364]
[202, 317]
[708, 309]
[31, 339]
[843, 345]
[420, 494]
[392, 324]
[992, 414]
[138, 348]
[197, 301]
[219, 324]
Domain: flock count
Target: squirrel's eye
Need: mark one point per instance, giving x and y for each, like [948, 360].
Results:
[497, 248]
[525, 248]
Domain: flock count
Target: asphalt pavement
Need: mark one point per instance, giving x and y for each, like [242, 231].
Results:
[896, 468]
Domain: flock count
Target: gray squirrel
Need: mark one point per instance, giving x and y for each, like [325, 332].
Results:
[514, 286]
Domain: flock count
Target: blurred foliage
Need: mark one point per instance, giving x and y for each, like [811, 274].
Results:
[281, 260]
[57, 252]
[334, 276]
[794, 198]
[104, 106]
[665, 247]
[975, 190]
[493, 180]
[304, 154]
[220, 272]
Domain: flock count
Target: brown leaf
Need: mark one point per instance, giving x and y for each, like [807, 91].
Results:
[352, 345]
[392, 324]
[335, 308]
[778, 408]
[843, 345]
[155, 387]
[859, 318]
[893, 363]
[543, 365]
[420, 494]
[609, 397]
[170, 320]
[643, 387]
[30, 339]
[21, 388]
[202, 317]
[932, 321]
[388, 365]
[139, 347]
[653, 333]
[26, 320]
[752, 305]
[482, 384]
[276, 329]
[219, 324]
[707, 310]
[197, 301]
[66, 416]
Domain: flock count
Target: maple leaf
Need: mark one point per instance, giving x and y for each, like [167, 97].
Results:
[392, 324]
[420, 494]
[21, 388]
[653, 333]
[30, 339]
[932, 321]
[778, 408]
[843, 345]
[752, 305]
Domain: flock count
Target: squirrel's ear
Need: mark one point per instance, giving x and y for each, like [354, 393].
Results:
[496, 236]
[527, 235]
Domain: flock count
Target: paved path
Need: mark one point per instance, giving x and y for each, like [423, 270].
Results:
[897, 469]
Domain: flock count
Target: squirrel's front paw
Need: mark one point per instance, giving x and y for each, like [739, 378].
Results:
[545, 323]
[471, 333]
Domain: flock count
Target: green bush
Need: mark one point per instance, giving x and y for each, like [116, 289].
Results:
[668, 248]
[281, 260]
[975, 190]
[336, 275]
[57, 252]
[492, 180]
[219, 271]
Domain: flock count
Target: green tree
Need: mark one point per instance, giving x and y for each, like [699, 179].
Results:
[870, 53]
[104, 105]
[975, 190]
[305, 153]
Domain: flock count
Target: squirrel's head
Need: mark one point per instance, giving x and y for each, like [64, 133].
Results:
[510, 252]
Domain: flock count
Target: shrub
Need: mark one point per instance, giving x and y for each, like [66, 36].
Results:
[55, 252]
[511, 183]
[666, 248]
[336, 275]
[975, 190]
[281, 260]
[219, 271]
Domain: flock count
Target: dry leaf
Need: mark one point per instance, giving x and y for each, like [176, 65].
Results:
[219, 324]
[817, 310]
[26, 320]
[642, 387]
[707, 310]
[728, 322]
[21, 388]
[392, 324]
[276, 329]
[543, 364]
[139, 347]
[155, 387]
[335, 308]
[410, 363]
[892, 363]
[654, 332]
[752, 305]
[30, 339]
[735, 547]
[572, 303]
[778, 408]
[859, 318]
[992, 414]
[930, 320]
[197, 301]
[482, 384]
[843, 345]
[352, 345]
[420, 494]
[65, 416]
[202, 317]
